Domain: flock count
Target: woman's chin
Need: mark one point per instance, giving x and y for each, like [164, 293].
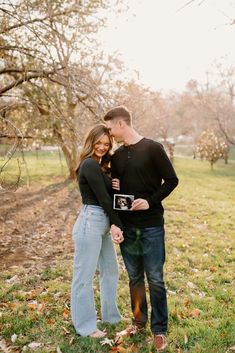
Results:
[100, 155]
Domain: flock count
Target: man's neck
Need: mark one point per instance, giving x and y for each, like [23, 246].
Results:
[131, 137]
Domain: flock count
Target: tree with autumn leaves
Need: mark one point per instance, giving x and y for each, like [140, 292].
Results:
[211, 148]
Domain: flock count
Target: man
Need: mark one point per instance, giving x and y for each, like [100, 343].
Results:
[145, 171]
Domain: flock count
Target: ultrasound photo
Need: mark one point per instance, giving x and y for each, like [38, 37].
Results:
[122, 202]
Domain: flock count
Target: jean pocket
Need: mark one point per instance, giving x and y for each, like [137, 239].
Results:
[79, 226]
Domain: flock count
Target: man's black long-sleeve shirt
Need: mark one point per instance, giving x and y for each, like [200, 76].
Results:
[96, 188]
[146, 172]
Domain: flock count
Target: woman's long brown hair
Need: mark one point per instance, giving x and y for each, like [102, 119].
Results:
[93, 136]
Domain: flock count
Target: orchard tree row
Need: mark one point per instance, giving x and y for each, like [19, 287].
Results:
[55, 82]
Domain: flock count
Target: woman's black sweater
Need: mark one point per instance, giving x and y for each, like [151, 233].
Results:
[96, 188]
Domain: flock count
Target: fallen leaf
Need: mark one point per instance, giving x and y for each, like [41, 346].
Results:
[13, 305]
[35, 345]
[33, 293]
[58, 350]
[71, 340]
[185, 339]
[130, 349]
[187, 302]
[125, 332]
[231, 349]
[118, 340]
[41, 308]
[107, 342]
[202, 294]
[51, 321]
[191, 285]
[65, 330]
[66, 313]
[176, 314]
[171, 292]
[13, 280]
[33, 305]
[195, 313]
[14, 338]
[4, 347]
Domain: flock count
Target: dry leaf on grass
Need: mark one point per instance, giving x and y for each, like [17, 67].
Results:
[34, 345]
[51, 321]
[66, 313]
[3, 346]
[187, 302]
[176, 314]
[14, 338]
[13, 280]
[13, 306]
[65, 330]
[118, 340]
[191, 285]
[34, 305]
[213, 268]
[71, 340]
[121, 349]
[195, 313]
[107, 342]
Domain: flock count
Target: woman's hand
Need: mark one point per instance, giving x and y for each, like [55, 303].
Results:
[116, 184]
[117, 234]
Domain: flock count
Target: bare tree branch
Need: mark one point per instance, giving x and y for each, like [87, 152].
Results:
[224, 132]
[27, 76]
[189, 3]
[35, 20]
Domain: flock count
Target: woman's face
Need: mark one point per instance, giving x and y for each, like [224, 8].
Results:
[101, 147]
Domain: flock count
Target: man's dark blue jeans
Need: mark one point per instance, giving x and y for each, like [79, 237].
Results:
[143, 252]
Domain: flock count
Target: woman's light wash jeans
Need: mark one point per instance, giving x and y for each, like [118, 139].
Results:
[94, 249]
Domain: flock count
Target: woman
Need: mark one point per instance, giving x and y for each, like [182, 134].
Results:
[94, 247]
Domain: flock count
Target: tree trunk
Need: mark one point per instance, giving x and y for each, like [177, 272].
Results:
[71, 162]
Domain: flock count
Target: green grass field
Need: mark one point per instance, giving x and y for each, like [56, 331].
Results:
[43, 166]
[199, 273]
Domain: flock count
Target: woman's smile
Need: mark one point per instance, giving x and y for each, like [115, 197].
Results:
[101, 147]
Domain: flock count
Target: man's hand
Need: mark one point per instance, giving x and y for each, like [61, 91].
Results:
[139, 204]
[117, 234]
[116, 184]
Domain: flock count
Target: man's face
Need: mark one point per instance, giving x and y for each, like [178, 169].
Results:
[116, 129]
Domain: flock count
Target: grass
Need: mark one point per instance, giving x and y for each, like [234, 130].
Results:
[199, 273]
[43, 166]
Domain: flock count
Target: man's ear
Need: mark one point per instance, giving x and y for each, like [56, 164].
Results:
[121, 123]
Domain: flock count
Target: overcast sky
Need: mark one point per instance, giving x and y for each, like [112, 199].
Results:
[169, 47]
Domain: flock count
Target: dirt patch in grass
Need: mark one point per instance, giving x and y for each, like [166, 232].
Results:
[36, 224]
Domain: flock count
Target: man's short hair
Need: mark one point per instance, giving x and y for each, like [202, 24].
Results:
[119, 112]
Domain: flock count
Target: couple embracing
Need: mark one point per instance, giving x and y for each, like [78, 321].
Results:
[141, 170]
